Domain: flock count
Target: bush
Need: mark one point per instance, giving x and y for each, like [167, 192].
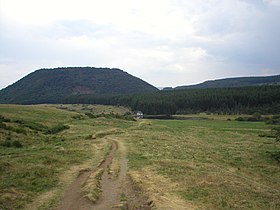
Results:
[276, 117]
[3, 119]
[2, 125]
[240, 119]
[9, 143]
[276, 156]
[255, 118]
[78, 117]
[90, 115]
[126, 116]
[274, 120]
[276, 132]
[17, 144]
[56, 129]
[252, 119]
[31, 125]
[10, 128]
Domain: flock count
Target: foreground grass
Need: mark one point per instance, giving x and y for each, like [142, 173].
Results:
[212, 164]
[192, 164]
[43, 159]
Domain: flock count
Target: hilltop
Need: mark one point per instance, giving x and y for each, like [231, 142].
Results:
[53, 85]
[235, 82]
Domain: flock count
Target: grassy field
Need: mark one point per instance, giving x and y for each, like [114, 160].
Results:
[210, 164]
[45, 159]
[190, 164]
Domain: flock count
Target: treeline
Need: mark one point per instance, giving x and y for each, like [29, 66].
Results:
[246, 100]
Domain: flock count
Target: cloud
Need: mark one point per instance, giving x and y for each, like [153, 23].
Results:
[272, 2]
[166, 42]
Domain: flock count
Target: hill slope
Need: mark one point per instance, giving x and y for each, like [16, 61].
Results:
[235, 82]
[52, 85]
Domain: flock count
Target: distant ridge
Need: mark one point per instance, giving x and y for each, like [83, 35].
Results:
[53, 85]
[235, 82]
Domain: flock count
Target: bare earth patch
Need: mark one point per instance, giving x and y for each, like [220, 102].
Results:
[102, 188]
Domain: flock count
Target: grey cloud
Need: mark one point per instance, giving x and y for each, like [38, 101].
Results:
[238, 37]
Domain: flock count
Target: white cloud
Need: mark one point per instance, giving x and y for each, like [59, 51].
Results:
[272, 2]
[166, 42]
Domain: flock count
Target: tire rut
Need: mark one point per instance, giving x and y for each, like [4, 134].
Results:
[117, 193]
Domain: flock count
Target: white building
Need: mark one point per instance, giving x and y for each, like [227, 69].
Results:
[139, 114]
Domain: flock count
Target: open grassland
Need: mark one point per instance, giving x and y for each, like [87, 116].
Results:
[213, 116]
[96, 109]
[209, 164]
[52, 146]
[179, 164]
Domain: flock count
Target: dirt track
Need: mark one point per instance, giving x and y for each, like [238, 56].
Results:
[117, 192]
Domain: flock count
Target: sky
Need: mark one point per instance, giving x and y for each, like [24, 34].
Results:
[164, 42]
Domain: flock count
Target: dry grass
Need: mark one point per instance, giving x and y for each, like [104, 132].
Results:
[92, 187]
[104, 133]
[212, 164]
[36, 175]
[216, 116]
[50, 198]
[95, 109]
[161, 190]
[115, 167]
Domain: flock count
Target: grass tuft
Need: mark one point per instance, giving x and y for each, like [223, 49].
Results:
[92, 187]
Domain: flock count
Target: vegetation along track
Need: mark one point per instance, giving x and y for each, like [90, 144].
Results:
[110, 189]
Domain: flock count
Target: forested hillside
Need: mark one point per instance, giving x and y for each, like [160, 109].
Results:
[263, 99]
[52, 85]
[235, 82]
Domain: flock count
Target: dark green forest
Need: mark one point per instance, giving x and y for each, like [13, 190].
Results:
[235, 82]
[52, 85]
[88, 85]
[245, 100]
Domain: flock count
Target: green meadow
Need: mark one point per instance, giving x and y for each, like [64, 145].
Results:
[214, 163]
[46, 158]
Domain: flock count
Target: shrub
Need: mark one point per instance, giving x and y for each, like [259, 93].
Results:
[17, 144]
[276, 156]
[126, 116]
[56, 129]
[2, 125]
[13, 129]
[208, 113]
[257, 116]
[90, 115]
[240, 119]
[276, 132]
[31, 125]
[274, 120]
[3, 119]
[9, 143]
[78, 117]
[254, 118]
